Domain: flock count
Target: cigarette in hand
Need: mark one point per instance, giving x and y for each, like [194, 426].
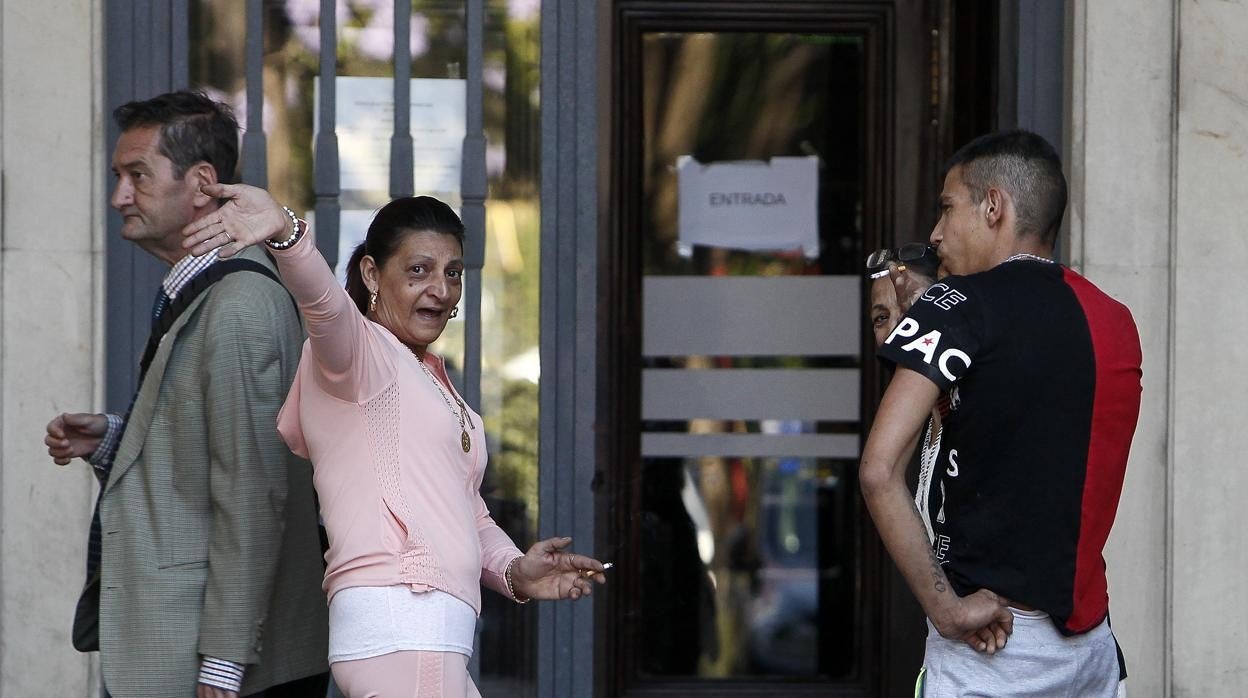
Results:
[605, 566]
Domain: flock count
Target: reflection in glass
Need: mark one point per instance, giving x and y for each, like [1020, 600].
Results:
[749, 565]
[510, 280]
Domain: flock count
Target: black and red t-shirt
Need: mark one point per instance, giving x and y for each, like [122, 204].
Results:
[1043, 374]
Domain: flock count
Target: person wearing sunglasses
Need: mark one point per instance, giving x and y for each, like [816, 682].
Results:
[905, 272]
[897, 277]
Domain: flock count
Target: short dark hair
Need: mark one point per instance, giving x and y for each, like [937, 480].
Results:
[1026, 166]
[193, 128]
[394, 222]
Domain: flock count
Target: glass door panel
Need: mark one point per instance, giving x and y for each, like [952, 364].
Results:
[751, 371]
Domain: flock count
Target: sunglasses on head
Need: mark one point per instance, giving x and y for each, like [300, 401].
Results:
[916, 253]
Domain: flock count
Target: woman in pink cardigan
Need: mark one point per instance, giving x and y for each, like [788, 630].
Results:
[398, 456]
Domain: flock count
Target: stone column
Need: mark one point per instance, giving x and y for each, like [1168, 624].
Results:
[1209, 560]
[51, 262]
[1120, 164]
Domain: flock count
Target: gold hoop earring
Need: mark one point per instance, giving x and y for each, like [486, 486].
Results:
[455, 311]
[372, 301]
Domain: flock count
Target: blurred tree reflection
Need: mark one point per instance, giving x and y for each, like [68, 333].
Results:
[781, 563]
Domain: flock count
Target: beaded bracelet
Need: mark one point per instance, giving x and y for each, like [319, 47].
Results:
[510, 587]
[296, 232]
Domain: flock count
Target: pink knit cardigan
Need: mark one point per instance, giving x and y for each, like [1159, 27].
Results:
[398, 495]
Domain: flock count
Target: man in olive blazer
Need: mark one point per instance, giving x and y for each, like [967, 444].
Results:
[210, 543]
[210, 558]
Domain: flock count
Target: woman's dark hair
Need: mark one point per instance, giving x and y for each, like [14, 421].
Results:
[395, 221]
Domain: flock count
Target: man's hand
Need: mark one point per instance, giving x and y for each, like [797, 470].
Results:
[249, 216]
[546, 572]
[991, 639]
[982, 620]
[203, 690]
[74, 435]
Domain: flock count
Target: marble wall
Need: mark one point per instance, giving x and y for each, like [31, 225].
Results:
[1158, 111]
[1209, 561]
[1121, 88]
[50, 324]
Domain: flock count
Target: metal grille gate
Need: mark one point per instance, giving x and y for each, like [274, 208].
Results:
[147, 54]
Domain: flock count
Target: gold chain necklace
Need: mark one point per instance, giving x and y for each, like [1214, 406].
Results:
[465, 441]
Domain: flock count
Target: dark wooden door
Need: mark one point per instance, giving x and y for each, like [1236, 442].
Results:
[741, 380]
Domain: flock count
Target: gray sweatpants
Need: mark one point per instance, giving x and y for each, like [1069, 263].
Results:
[1037, 661]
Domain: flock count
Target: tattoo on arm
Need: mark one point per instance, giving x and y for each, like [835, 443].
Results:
[938, 574]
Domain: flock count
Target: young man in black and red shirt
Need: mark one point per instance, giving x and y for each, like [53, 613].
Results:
[1042, 370]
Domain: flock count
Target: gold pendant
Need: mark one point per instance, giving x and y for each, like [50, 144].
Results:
[464, 440]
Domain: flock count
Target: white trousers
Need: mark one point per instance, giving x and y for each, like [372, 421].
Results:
[1037, 661]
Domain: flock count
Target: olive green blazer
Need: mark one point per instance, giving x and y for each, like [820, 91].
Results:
[210, 539]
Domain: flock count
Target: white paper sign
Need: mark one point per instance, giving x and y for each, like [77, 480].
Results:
[365, 122]
[750, 204]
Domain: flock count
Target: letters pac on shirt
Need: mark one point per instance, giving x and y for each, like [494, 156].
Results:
[932, 338]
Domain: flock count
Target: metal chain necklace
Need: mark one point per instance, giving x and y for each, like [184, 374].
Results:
[1026, 255]
[465, 441]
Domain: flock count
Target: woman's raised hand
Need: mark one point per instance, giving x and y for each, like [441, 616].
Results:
[250, 215]
[547, 572]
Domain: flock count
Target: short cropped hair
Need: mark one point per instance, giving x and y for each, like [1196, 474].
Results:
[193, 128]
[1026, 166]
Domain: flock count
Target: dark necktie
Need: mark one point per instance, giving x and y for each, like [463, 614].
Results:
[159, 305]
